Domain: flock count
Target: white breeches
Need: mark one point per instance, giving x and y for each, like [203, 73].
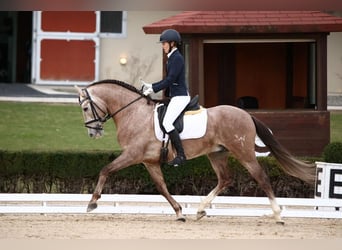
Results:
[176, 106]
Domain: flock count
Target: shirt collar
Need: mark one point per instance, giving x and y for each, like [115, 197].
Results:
[173, 50]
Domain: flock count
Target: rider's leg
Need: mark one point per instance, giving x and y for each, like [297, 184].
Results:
[176, 106]
[177, 143]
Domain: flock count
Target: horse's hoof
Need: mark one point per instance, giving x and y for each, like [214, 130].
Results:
[182, 219]
[280, 222]
[91, 207]
[201, 214]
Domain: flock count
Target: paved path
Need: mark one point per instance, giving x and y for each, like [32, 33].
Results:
[37, 93]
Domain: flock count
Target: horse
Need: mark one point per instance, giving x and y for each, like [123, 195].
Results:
[230, 130]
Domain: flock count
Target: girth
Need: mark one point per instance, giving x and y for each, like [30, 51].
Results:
[179, 122]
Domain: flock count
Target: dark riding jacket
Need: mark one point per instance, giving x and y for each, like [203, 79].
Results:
[174, 82]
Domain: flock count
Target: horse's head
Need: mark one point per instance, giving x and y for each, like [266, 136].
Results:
[94, 113]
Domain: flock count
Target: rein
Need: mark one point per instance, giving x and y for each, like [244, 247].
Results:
[120, 109]
[94, 107]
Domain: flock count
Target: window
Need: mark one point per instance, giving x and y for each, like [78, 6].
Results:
[113, 23]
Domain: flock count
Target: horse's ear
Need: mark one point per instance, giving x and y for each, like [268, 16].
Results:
[79, 90]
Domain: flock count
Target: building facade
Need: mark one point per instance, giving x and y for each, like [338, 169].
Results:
[293, 70]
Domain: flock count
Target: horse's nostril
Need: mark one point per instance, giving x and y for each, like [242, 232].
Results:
[91, 134]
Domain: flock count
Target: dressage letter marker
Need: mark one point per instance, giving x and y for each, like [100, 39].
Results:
[329, 181]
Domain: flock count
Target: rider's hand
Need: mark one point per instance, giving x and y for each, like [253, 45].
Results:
[148, 91]
[148, 87]
[145, 84]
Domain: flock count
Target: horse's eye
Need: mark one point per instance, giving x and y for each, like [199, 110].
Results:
[85, 109]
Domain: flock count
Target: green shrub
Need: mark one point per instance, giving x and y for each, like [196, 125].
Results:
[333, 152]
[77, 172]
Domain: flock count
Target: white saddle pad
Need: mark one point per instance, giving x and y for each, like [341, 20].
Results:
[195, 125]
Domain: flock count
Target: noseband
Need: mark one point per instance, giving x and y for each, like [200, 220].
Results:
[94, 109]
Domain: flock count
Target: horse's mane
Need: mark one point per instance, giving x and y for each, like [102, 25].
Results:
[117, 82]
[124, 85]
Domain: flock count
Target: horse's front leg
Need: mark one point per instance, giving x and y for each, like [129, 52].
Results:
[123, 161]
[158, 178]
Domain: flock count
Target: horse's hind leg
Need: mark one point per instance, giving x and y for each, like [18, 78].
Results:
[218, 161]
[260, 176]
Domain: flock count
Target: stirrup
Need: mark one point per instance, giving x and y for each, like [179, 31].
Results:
[179, 160]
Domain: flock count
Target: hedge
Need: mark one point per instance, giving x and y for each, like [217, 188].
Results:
[77, 172]
[333, 152]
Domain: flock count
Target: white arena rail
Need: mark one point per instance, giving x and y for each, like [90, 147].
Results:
[157, 204]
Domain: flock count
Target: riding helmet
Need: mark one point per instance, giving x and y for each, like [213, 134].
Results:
[170, 35]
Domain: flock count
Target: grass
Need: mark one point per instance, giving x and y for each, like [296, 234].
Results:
[336, 126]
[51, 127]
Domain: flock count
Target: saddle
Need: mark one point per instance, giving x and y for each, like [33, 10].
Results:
[179, 122]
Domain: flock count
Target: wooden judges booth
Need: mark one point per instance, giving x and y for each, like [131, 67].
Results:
[271, 63]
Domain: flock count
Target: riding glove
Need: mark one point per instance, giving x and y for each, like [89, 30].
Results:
[148, 91]
[145, 84]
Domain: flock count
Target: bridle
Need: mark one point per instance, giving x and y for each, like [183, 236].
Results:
[95, 108]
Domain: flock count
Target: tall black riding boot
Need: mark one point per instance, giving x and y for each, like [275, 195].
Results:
[177, 143]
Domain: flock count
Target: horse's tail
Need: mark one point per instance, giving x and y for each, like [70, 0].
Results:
[292, 166]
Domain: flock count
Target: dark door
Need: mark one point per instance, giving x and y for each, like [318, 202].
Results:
[219, 74]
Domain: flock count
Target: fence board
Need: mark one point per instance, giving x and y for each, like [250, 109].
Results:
[157, 204]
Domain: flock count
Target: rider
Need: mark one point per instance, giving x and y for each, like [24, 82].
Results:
[175, 88]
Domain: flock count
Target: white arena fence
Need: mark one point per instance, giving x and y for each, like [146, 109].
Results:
[156, 204]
